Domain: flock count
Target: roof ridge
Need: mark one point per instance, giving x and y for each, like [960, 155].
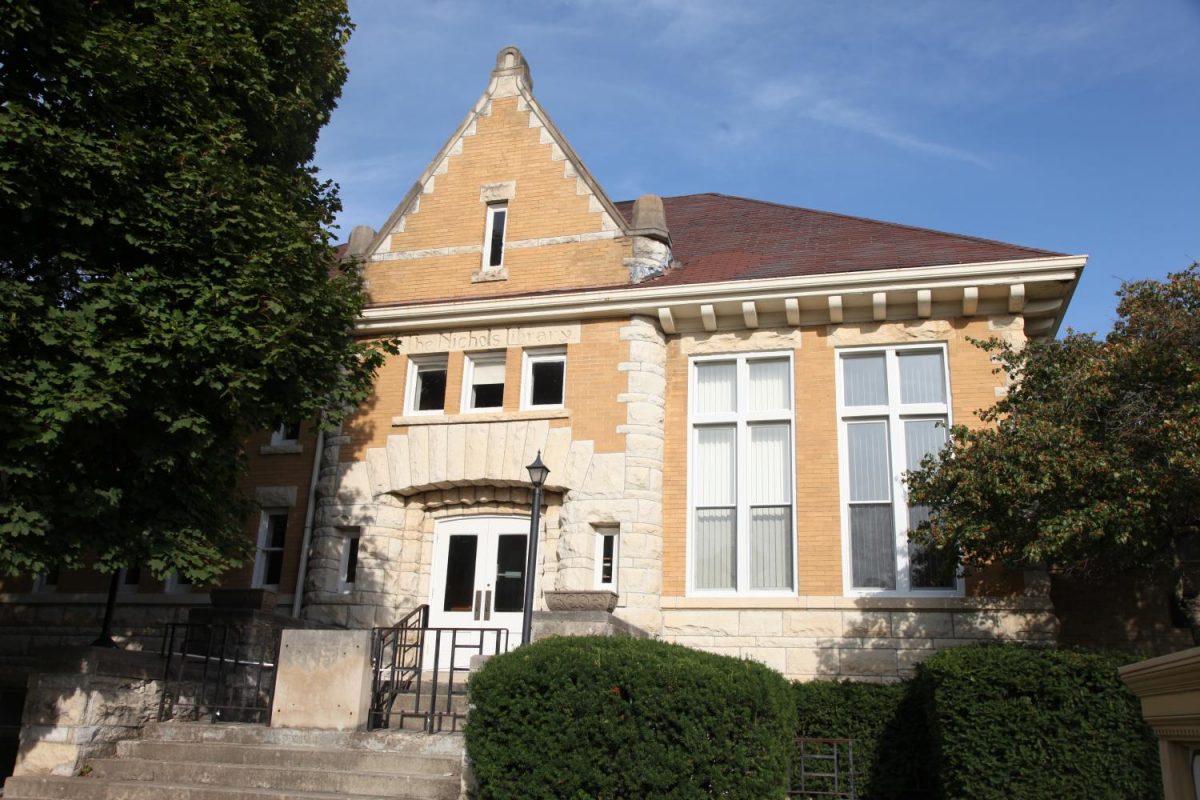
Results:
[859, 218]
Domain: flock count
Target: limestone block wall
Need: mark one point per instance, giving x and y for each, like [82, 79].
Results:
[857, 638]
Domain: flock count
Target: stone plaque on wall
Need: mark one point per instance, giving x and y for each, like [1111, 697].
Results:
[490, 338]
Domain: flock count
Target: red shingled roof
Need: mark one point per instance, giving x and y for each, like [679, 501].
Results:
[716, 237]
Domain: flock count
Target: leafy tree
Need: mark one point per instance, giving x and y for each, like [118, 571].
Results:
[1091, 463]
[167, 284]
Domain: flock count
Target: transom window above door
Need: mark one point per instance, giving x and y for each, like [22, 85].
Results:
[894, 409]
[741, 486]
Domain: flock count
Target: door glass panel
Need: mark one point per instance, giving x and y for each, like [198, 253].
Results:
[510, 572]
[460, 572]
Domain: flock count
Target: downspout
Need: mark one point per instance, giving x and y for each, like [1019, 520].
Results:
[309, 515]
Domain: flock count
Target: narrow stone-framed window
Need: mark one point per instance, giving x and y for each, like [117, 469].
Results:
[493, 237]
[544, 378]
[268, 563]
[348, 560]
[894, 409]
[426, 385]
[607, 544]
[483, 382]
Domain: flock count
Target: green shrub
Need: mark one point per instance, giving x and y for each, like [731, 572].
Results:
[600, 717]
[887, 726]
[1010, 721]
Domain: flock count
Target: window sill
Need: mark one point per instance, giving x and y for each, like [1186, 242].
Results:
[280, 449]
[870, 602]
[487, 275]
[462, 419]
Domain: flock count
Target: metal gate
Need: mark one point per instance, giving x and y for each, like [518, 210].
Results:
[823, 768]
[219, 672]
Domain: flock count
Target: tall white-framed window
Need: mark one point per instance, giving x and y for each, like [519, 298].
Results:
[425, 388]
[894, 409]
[493, 235]
[268, 562]
[288, 432]
[543, 378]
[348, 562]
[608, 540]
[740, 508]
[483, 382]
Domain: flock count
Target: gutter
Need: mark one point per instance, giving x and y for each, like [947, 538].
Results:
[309, 515]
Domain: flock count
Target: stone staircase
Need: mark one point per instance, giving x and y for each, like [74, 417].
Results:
[202, 761]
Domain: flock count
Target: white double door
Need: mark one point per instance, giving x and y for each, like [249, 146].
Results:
[478, 583]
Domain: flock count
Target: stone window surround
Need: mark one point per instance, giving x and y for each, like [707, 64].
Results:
[895, 413]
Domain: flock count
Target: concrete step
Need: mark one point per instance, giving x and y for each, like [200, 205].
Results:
[444, 786]
[394, 741]
[56, 788]
[388, 762]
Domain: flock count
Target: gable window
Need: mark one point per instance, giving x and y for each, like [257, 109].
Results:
[268, 564]
[426, 386]
[544, 378]
[287, 433]
[483, 382]
[493, 238]
[741, 486]
[894, 405]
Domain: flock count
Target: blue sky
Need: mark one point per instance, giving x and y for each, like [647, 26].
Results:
[1070, 126]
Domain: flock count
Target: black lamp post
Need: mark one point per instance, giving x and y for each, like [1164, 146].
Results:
[538, 473]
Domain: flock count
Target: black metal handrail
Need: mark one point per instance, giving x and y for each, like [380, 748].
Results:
[408, 675]
[218, 672]
[824, 768]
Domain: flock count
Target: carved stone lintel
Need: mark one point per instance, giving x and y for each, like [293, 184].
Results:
[581, 600]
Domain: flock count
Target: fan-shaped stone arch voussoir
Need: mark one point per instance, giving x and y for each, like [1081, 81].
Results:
[431, 457]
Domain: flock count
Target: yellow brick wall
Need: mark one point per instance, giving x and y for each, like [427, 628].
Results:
[818, 502]
[593, 383]
[546, 204]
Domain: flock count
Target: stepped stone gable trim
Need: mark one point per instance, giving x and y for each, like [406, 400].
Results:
[510, 79]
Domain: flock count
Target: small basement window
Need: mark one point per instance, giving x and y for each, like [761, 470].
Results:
[426, 386]
[544, 383]
[493, 238]
[287, 433]
[483, 382]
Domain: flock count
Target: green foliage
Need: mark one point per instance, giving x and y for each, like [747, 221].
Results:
[166, 278]
[1012, 721]
[1092, 462]
[889, 732]
[625, 718]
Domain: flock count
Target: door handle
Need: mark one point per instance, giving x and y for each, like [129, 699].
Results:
[477, 604]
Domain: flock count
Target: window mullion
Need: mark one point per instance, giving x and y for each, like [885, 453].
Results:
[741, 514]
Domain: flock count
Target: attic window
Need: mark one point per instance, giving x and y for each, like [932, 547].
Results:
[493, 239]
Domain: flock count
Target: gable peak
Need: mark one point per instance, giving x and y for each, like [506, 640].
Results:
[511, 61]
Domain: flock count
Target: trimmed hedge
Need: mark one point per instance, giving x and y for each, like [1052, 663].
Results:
[887, 725]
[613, 717]
[1013, 721]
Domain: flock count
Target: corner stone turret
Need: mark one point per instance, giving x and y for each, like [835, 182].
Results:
[651, 239]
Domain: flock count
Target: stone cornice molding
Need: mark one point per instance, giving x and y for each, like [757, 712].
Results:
[1169, 674]
[1038, 289]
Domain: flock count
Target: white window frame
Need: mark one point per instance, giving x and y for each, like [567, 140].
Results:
[492, 208]
[260, 557]
[528, 359]
[742, 420]
[415, 365]
[173, 585]
[470, 360]
[602, 532]
[348, 535]
[895, 414]
[279, 435]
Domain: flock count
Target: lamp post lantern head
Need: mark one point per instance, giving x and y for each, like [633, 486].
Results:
[538, 472]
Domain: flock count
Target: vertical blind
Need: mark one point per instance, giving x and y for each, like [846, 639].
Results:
[864, 380]
[714, 493]
[922, 377]
[716, 387]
